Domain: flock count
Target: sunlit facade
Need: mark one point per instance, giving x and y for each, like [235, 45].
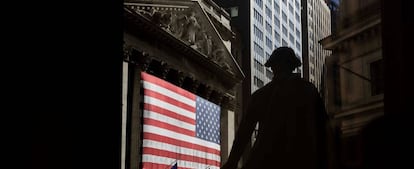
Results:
[318, 27]
[273, 23]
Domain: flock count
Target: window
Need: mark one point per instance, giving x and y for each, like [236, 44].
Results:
[277, 22]
[255, 14]
[258, 33]
[256, 47]
[284, 17]
[297, 34]
[292, 27]
[284, 43]
[377, 77]
[269, 74]
[291, 38]
[297, 45]
[276, 7]
[268, 27]
[259, 3]
[258, 16]
[284, 30]
[297, 17]
[258, 66]
[259, 50]
[277, 37]
[268, 43]
[290, 9]
[259, 83]
[284, 1]
[267, 55]
[297, 5]
[268, 12]
[255, 30]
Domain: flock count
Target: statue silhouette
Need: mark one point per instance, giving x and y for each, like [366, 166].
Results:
[292, 121]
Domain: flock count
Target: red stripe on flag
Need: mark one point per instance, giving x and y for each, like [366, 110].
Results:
[167, 126]
[169, 86]
[168, 113]
[178, 156]
[149, 165]
[168, 99]
[159, 138]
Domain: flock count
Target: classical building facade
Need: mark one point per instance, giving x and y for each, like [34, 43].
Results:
[186, 43]
[354, 75]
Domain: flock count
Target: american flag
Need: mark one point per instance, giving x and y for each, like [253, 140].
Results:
[179, 127]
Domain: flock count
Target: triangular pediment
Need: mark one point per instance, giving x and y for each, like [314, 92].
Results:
[187, 21]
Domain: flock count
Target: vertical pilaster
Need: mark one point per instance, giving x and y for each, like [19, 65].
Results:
[124, 112]
[135, 118]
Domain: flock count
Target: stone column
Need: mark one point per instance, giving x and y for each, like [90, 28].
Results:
[227, 122]
[124, 112]
[230, 130]
[135, 118]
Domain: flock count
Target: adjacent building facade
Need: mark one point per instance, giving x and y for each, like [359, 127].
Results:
[333, 7]
[354, 75]
[273, 23]
[316, 19]
[263, 25]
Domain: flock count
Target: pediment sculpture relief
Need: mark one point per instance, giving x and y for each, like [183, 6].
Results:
[184, 24]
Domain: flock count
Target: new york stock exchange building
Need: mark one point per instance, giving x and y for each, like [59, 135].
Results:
[181, 84]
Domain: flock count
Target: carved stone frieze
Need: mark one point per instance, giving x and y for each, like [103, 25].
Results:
[187, 24]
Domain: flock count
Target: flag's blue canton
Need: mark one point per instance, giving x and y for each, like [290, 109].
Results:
[207, 120]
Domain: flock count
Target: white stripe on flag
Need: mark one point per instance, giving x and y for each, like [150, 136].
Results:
[181, 150]
[169, 120]
[167, 92]
[180, 163]
[168, 106]
[171, 134]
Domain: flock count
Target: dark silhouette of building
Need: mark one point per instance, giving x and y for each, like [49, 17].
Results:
[354, 76]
